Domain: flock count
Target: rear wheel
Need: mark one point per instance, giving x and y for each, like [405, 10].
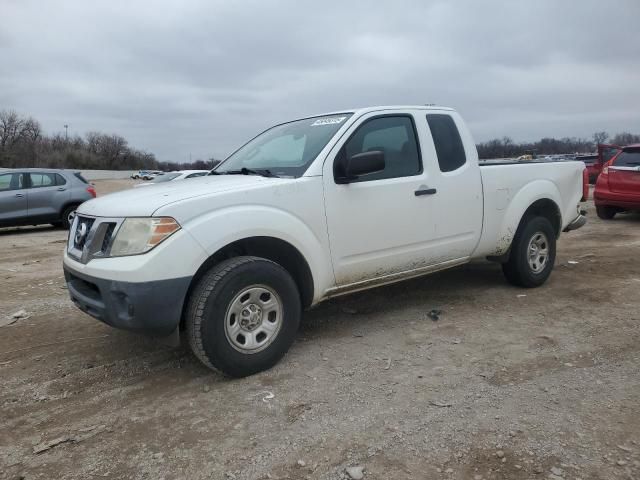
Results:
[533, 253]
[243, 316]
[606, 213]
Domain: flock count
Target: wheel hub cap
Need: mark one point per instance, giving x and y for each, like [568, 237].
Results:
[253, 319]
[538, 252]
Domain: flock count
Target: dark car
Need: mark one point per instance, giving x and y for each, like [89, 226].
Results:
[34, 196]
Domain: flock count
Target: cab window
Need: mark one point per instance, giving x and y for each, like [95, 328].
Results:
[395, 136]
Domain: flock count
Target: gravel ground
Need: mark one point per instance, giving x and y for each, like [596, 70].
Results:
[506, 384]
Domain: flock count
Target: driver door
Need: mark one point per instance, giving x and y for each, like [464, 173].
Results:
[379, 224]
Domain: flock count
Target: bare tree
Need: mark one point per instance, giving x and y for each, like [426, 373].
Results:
[11, 128]
[625, 138]
[600, 137]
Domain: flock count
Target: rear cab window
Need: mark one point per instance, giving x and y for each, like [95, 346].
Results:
[447, 141]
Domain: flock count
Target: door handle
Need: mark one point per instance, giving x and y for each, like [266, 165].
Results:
[19, 195]
[61, 189]
[425, 191]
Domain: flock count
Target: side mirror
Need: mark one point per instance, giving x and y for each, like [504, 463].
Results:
[362, 164]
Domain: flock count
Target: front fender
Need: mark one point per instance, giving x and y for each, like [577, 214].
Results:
[219, 228]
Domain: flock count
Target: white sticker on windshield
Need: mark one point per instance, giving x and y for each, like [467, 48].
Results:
[328, 121]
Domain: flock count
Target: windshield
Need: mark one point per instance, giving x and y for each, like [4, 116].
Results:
[165, 178]
[287, 149]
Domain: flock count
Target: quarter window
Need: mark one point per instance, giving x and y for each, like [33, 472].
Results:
[393, 135]
[60, 180]
[447, 141]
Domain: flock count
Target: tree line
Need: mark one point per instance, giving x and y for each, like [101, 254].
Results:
[505, 147]
[23, 144]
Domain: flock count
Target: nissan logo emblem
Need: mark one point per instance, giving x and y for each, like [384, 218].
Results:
[81, 232]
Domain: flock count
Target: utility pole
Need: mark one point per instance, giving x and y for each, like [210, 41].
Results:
[66, 132]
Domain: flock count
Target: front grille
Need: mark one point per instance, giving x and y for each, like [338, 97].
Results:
[106, 240]
[91, 237]
[81, 232]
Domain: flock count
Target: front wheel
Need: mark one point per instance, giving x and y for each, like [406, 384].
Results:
[243, 316]
[533, 253]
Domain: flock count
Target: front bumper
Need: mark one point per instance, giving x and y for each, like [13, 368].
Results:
[152, 307]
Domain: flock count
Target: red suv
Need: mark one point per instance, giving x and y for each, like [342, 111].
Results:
[595, 162]
[618, 185]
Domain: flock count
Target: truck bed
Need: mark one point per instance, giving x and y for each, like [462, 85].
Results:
[510, 186]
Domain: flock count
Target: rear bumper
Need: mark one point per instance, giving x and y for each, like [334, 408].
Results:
[577, 223]
[152, 307]
[613, 199]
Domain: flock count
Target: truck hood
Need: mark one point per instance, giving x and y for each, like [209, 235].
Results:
[142, 202]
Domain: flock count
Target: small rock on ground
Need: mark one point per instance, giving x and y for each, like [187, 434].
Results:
[355, 473]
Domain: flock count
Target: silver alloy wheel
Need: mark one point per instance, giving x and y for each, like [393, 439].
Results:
[253, 319]
[538, 252]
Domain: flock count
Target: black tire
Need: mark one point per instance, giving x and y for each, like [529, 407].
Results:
[65, 220]
[606, 213]
[213, 296]
[518, 269]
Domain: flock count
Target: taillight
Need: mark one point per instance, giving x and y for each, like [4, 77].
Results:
[92, 191]
[585, 185]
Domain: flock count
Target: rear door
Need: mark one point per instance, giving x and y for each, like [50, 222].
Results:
[48, 193]
[13, 197]
[624, 172]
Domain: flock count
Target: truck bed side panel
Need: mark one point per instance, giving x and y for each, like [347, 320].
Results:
[509, 190]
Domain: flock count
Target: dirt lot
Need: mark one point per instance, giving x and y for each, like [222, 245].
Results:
[507, 384]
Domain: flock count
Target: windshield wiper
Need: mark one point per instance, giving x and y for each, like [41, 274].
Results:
[247, 171]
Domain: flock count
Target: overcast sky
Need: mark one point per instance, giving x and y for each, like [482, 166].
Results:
[201, 77]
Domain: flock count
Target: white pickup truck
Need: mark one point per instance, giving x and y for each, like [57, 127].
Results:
[305, 211]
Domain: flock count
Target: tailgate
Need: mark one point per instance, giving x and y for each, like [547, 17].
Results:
[624, 172]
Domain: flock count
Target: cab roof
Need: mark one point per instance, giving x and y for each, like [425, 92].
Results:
[378, 108]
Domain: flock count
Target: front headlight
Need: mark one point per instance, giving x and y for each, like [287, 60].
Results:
[139, 235]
